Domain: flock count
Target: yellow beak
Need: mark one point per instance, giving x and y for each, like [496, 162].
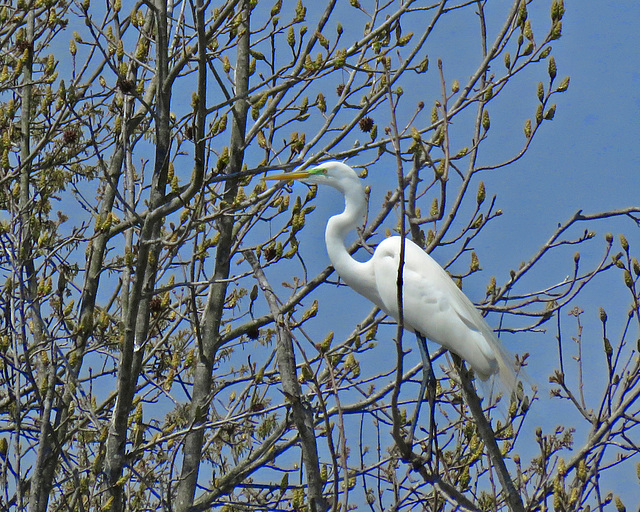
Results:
[289, 176]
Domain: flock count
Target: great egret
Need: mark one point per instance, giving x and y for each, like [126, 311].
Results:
[432, 304]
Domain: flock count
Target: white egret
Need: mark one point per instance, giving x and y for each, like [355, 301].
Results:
[432, 304]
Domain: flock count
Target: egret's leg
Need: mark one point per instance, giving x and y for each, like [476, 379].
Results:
[428, 379]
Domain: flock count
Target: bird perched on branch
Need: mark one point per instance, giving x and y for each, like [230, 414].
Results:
[432, 305]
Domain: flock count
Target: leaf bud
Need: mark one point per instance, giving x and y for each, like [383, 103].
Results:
[528, 32]
[556, 30]
[636, 266]
[527, 128]
[405, 39]
[486, 122]
[423, 66]
[552, 68]
[603, 315]
[616, 260]
[540, 91]
[291, 37]
[478, 222]
[551, 112]
[434, 207]
[624, 243]
[507, 60]
[545, 53]
[301, 12]
[275, 10]
[475, 262]
[557, 10]
[480, 196]
[324, 42]
[456, 86]
[628, 280]
[488, 94]
[619, 505]
[539, 113]
[608, 237]
[564, 85]
[608, 349]
[522, 14]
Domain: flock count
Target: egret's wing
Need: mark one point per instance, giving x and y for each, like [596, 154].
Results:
[435, 306]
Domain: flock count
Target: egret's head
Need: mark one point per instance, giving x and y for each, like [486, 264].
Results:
[335, 174]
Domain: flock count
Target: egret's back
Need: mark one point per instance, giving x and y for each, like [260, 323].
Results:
[434, 306]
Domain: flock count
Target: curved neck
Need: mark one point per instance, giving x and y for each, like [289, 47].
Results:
[355, 208]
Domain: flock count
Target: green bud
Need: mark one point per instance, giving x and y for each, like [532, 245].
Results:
[545, 53]
[527, 128]
[540, 91]
[455, 87]
[324, 42]
[475, 262]
[507, 60]
[582, 470]
[528, 32]
[552, 68]
[423, 66]
[486, 122]
[405, 39]
[564, 85]
[480, 196]
[624, 243]
[434, 207]
[275, 10]
[603, 315]
[556, 30]
[478, 222]
[628, 280]
[301, 12]
[291, 37]
[539, 113]
[636, 266]
[557, 10]
[522, 14]
[551, 112]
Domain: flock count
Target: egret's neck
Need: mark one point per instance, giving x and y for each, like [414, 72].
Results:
[337, 228]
